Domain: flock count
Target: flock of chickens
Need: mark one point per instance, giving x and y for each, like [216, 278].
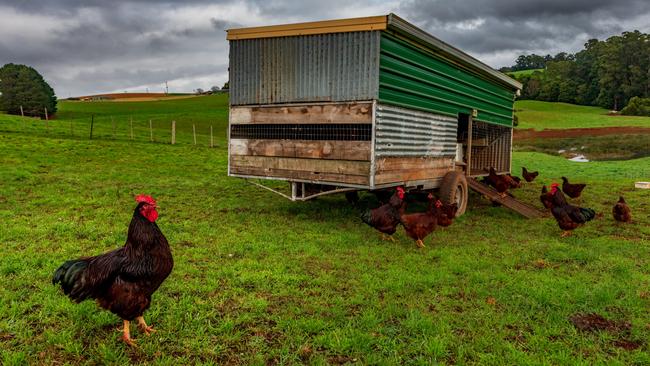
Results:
[123, 280]
[419, 225]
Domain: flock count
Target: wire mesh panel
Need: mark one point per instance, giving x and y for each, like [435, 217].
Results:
[290, 131]
[491, 147]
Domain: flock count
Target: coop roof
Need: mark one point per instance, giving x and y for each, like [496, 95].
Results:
[376, 23]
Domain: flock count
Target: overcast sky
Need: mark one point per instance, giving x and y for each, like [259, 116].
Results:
[86, 47]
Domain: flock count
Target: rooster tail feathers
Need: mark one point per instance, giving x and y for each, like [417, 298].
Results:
[587, 213]
[70, 276]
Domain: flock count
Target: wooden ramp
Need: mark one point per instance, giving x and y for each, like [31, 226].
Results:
[507, 201]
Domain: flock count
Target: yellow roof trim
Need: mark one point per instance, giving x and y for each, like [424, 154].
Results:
[323, 27]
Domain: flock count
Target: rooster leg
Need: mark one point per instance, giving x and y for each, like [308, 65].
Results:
[419, 243]
[566, 233]
[126, 337]
[144, 327]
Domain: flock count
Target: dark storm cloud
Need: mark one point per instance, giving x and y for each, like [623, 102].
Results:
[483, 26]
[84, 47]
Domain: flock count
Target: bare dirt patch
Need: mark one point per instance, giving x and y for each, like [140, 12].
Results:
[594, 322]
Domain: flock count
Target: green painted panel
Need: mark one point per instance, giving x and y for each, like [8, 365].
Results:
[412, 78]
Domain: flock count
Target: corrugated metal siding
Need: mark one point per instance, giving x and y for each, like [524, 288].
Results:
[324, 67]
[412, 78]
[407, 132]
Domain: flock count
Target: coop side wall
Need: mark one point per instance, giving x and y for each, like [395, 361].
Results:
[317, 143]
[412, 147]
[334, 67]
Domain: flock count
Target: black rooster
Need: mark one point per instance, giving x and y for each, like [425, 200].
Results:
[123, 280]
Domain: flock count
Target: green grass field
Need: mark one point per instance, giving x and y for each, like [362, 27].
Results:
[515, 74]
[112, 120]
[541, 115]
[261, 280]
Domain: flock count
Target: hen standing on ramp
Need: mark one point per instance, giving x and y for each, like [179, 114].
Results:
[123, 280]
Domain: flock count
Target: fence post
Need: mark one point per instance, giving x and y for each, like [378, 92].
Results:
[131, 128]
[150, 131]
[92, 122]
[46, 117]
[211, 137]
[194, 132]
[173, 132]
[113, 123]
[22, 114]
[47, 125]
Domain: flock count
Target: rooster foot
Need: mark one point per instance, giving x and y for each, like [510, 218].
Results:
[565, 234]
[147, 329]
[126, 335]
[130, 341]
[419, 243]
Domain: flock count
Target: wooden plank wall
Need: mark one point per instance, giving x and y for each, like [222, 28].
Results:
[319, 113]
[405, 169]
[309, 160]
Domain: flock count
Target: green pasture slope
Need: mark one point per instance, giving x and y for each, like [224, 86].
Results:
[261, 280]
[516, 74]
[541, 115]
[112, 120]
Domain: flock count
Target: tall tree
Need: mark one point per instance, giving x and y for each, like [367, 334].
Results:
[22, 85]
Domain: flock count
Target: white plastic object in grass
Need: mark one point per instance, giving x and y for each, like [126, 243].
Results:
[642, 185]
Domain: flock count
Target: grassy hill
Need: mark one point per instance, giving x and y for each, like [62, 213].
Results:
[74, 117]
[261, 280]
[540, 115]
[516, 74]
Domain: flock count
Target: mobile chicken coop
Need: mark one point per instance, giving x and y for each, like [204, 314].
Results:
[364, 104]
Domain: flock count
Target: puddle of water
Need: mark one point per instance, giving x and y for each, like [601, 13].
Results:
[579, 159]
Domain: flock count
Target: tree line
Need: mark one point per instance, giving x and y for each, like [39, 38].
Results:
[23, 91]
[605, 73]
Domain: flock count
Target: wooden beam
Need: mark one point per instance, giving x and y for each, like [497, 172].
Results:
[333, 150]
[322, 27]
[300, 175]
[410, 175]
[319, 113]
[468, 169]
[422, 163]
[309, 165]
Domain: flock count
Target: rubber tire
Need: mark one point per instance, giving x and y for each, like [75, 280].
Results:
[454, 189]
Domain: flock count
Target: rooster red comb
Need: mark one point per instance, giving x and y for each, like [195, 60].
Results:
[554, 187]
[438, 203]
[145, 198]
